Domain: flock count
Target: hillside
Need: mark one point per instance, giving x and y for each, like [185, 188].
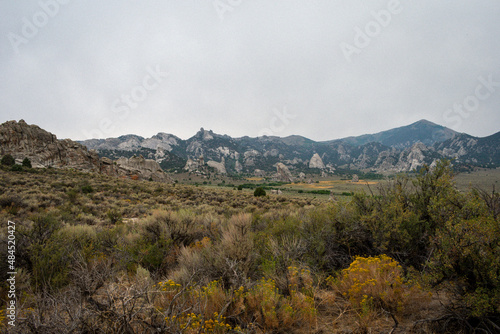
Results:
[422, 131]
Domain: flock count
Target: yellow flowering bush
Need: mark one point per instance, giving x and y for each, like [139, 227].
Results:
[265, 303]
[272, 310]
[191, 323]
[372, 283]
[211, 297]
[205, 301]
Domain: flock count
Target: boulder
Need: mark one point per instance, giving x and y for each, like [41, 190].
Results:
[283, 173]
[316, 162]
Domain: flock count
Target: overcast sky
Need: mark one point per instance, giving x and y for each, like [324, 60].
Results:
[321, 69]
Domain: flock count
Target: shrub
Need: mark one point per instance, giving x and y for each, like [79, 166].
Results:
[27, 163]
[268, 307]
[12, 203]
[16, 168]
[87, 189]
[114, 216]
[72, 195]
[206, 304]
[259, 191]
[376, 283]
[467, 259]
[8, 160]
[302, 294]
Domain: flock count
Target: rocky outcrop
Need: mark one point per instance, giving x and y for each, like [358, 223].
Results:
[132, 142]
[238, 167]
[191, 165]
[44, 149]
[219, 166]
[249, 157]
[259, 173]
[283, 173]
[316, 162]
[143, 169]
[161, 140]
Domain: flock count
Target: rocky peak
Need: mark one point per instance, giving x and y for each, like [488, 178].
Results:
[204, 134]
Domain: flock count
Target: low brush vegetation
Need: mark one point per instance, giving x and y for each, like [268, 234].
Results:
[96, 254]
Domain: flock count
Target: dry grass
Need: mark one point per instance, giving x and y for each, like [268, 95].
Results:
[202, 259]
[255, 178]
[332, 184]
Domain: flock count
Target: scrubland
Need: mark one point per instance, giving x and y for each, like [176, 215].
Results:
[96, 254]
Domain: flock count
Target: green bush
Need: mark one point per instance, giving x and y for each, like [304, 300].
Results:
[27, 163]
[114, 216]
[259, 191]
[466, 259]
[16, 168]
[87, 189]
[8, 160]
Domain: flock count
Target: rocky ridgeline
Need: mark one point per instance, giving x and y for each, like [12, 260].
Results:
[398, 150]
[43, 149]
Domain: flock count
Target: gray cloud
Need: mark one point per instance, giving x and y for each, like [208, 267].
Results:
[232, 74]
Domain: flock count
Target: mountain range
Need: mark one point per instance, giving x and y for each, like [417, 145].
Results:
[397, 150]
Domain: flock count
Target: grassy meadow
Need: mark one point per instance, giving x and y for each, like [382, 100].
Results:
[96, 254]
